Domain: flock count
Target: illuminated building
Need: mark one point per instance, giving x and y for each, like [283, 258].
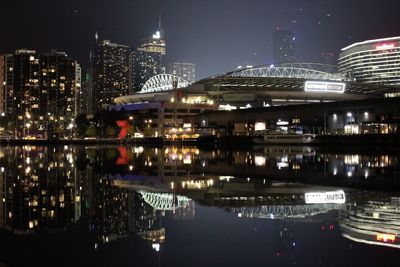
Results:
[155, 43]
[143, 66]
[372, 61]
[110, 73]
[40, 91]
[185, 70]
[84, 97]
[261, 87]
[373, 223]
[40, 190]
[2, 82]
[148, 60]
[283, 46]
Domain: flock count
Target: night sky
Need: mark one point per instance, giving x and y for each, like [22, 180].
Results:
[217, 35]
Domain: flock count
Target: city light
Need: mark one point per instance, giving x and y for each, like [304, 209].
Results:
[385, 46]
[212, 141]
[334, 197]
[324, 87]
[386, 238]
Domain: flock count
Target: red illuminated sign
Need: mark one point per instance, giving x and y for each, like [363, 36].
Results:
[386, 238]
[385, 46]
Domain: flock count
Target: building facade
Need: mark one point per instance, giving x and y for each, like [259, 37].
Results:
[147, 60]
[2, 83]
[110, 73]
[143, 65]
[283, 46]
[40, 91]
[372, 61]
[186, 71]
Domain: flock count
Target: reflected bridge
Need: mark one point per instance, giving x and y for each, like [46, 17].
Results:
[164, 201]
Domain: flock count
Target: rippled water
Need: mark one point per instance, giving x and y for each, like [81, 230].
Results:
[188, 206]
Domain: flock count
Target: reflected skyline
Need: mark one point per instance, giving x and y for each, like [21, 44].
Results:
[154, 196]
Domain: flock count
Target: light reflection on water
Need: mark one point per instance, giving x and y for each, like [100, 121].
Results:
[113, 199]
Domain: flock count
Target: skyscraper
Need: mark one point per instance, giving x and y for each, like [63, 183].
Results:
[143, 66]
[109, 73]
[148, 60]
[155, 43]
[2, 83]
[84, 99]
[40, 91]
[283, 46]
[186, 71]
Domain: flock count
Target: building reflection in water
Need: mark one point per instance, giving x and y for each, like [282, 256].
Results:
[120, 191]
[375, 222]
[50, 189]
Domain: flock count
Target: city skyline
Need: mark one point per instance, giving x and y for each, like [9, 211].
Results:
[241, 32]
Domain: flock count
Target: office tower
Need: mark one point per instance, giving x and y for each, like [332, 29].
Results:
[148, 60]
[109, 72]
[143, 66]
[283, 46]
[155, 43]
[186, 71]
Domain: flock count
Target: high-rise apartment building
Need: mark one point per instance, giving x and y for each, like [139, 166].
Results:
[109, 73]
[372, 61]
[283, 46]
[2, 83]
[40, 91]
[186, 71]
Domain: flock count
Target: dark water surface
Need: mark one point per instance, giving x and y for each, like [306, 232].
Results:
[187, 206]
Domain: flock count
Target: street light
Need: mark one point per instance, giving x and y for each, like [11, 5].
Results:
[71, 127]
[28, 125]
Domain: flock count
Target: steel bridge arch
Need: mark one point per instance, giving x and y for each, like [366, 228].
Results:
[163, 82]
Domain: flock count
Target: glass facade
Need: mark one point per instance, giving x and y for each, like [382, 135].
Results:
[373, 61]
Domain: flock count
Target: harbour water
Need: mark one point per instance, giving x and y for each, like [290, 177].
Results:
[191, 206]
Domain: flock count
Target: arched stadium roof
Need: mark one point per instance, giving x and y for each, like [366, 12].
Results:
[309, 71]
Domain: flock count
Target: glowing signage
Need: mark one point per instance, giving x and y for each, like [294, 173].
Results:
[386, 238]
[282, 123]
[157, 35]
[324, 87]
[385, 46]
[333, 197]
[259, 161]
[260, 126]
